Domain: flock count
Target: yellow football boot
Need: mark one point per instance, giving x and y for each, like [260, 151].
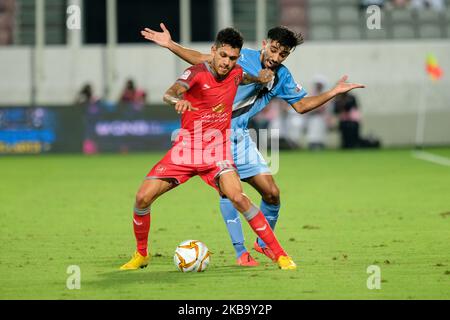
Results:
[286, 263]
[136, 262]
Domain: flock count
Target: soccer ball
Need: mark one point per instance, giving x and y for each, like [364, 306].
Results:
[191, 255]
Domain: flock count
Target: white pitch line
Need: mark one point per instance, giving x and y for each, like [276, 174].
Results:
[422, 155]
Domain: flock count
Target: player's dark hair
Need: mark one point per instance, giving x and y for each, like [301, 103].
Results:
[285, 37]
[231, 37]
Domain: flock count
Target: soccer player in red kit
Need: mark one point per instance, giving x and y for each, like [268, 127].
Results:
[204, 96]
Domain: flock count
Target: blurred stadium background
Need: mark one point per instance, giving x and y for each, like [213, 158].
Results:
[45, 65]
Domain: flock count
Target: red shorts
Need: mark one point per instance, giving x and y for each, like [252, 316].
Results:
[172, 167]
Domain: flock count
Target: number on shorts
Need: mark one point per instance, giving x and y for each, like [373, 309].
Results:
[225, 164]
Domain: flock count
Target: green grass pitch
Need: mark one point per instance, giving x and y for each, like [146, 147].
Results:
[341, 212]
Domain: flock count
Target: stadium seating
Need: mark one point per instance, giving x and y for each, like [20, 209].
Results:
[431, 31]
[349, 32]
[323, 32]
[320, 14]
[344, 20]
[347, 2]
[401, 15]
[403, 31]
[377, 34]
[349, 14]
[316, 19]
[55, 16]
[244, 17]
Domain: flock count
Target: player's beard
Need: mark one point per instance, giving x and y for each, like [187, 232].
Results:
[267, 62]
[221, 71]
[224, 70]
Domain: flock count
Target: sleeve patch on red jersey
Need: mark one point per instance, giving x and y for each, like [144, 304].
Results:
[185, 75]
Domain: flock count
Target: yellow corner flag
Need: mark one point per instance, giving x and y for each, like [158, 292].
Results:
[433, 68]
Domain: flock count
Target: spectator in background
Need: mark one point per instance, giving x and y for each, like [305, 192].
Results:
[366, 3]
[262, 120]
[314, 124]
[7, 21]
[134, 96]
[90, 106]
[87, 99]
[318, 119]
[4, 37]
[399, 4]
[346, 108]
[85, 95]
[437, 5]
[289, 125]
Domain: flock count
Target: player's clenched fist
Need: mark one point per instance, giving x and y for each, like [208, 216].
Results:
[265, 75]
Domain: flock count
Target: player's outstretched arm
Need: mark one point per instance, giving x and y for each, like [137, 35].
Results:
[174, 97]
[164, 39]
[310, 103]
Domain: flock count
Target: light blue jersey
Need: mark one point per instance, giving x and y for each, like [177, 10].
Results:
[251, 99]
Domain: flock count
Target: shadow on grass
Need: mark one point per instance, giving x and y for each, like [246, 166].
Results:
[160, 271]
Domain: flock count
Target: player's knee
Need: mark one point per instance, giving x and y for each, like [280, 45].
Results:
[239, 199]
[143, 200]
[272, 195]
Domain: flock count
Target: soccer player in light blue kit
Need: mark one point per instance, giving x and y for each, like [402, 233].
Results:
[251, 99]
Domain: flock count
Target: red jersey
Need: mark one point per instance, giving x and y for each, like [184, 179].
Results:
[214, 100]
[203, 146]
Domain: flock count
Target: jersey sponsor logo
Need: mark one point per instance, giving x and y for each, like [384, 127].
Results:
[160, 169]
[224, 164]
[219, 108]
[262, 228]
[185, 75]
[233, 220]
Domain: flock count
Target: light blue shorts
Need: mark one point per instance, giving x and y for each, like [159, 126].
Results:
[249, 161]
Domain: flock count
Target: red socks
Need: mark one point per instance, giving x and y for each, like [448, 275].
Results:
[259, 224]
[262, 228]
[141, 226]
